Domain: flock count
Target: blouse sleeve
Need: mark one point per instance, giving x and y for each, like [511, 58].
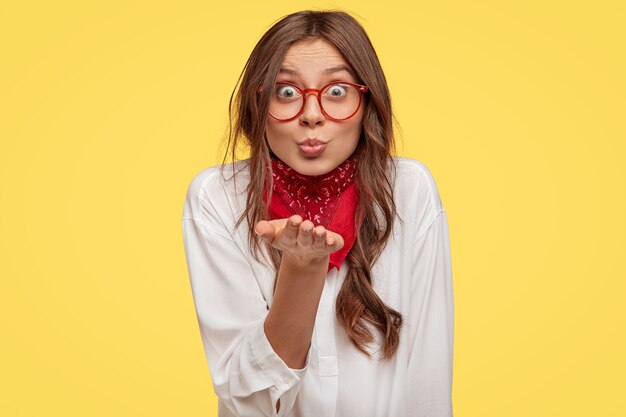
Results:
[431, 344]
[247, 375]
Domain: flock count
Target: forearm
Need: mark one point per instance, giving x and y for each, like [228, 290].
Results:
[290, 321]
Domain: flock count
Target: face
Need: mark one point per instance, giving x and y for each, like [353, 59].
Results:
[304, 65]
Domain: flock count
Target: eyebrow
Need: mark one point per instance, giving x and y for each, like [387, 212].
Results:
[330, 70]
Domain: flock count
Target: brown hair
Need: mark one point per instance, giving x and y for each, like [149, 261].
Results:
[357, 304]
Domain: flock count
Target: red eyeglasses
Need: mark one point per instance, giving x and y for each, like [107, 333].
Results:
[339, 100]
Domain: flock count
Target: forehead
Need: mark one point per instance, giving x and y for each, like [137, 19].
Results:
[312, 57]
[313, 49]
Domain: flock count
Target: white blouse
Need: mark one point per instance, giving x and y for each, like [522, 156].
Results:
[232, 294]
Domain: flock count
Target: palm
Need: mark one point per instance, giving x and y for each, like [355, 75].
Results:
[300, 240]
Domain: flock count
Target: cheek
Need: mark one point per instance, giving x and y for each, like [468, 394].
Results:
[353, 129]
[356, 123]
[268, 127]
[275, 129]
[270, 132]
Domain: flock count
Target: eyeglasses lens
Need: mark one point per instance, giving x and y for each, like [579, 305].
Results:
[338, 100]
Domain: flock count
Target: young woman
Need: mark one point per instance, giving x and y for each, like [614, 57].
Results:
[320, 265]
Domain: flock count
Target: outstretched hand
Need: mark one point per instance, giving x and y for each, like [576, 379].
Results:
[299, 238]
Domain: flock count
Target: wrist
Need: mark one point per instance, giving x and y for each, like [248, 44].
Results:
[305, 262]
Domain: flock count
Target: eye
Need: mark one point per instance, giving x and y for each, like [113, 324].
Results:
[287, 91]
[337, 90]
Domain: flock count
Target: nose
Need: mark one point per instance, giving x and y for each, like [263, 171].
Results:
[312, 114]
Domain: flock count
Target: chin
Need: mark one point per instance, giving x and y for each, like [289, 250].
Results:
[312, 166]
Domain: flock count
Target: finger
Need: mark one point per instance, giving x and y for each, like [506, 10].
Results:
[305, 234]
[265, 230]
[319, 238]
[337, 240]
[278, 224]
[291, 229]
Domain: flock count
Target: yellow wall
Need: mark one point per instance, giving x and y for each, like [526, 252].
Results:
[108, 110]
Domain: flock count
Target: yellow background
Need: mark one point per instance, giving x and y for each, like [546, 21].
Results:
[108, 109]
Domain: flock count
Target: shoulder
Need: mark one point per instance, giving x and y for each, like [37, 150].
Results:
[210, 192]
[416, 192]
[414, 176]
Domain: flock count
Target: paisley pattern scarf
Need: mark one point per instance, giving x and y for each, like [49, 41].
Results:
[329, 200]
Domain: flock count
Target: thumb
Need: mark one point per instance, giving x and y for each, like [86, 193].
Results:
[265, 230]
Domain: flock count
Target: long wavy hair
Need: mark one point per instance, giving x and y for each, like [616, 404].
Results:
[358, 306]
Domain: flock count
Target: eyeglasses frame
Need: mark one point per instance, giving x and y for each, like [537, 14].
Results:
[362, 89]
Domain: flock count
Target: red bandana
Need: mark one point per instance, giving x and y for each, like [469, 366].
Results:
[329, 200]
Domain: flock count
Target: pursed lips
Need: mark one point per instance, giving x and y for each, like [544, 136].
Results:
[312, 142]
